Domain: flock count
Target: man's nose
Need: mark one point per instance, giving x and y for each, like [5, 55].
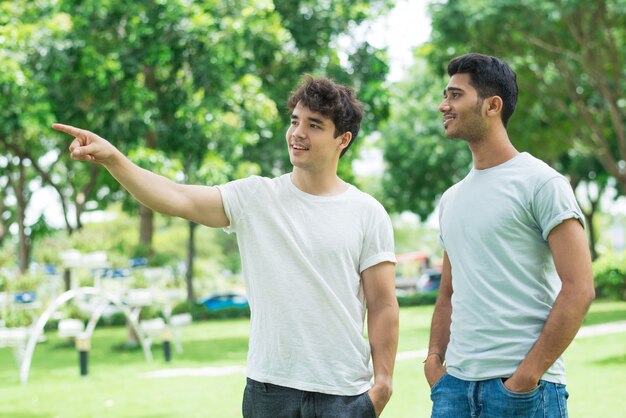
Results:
[298, 132]
[444, 106]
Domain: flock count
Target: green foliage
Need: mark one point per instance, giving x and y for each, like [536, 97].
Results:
[150, 312]
[609, 272]
[421, 162]
[23, 282]
[115, 319]
[17, 317]
[418, 299]
[569, 72]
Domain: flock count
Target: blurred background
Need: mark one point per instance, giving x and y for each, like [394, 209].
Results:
[196, 90]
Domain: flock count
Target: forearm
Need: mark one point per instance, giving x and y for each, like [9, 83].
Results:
[573, 264]
[151, 190]
[561, 327]
[382, 325]
[440, 328]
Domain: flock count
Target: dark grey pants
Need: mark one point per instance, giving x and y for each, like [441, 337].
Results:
[264, 400]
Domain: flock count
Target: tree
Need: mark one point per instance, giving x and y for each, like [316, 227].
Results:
[569, 58]
[200, 81]
[23, 114]
[590, 179]
[421, 163]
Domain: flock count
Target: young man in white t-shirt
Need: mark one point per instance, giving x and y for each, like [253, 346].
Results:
[315, 252]
[516, 280]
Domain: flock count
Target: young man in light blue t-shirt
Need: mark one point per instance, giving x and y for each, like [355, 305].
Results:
[516, 281]
[317, 253]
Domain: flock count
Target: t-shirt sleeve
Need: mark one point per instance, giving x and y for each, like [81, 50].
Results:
[553, 203]
[378, 244]
[236, 195]
[440, 216]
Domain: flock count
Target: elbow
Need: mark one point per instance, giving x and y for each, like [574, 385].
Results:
[586, 295]
[590, 291]
[591, 294]
[581, 294]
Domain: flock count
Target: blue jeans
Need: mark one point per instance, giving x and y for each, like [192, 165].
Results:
[264, 400]
[456, 398]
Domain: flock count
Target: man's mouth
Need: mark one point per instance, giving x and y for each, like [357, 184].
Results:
[447, 119]
[299, 147]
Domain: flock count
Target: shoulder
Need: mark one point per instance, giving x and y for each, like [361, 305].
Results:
[539, 173]
[252, 182]
[536, 166]
[359, 196]
[452, 190]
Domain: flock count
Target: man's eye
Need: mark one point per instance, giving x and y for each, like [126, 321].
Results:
[315, 126]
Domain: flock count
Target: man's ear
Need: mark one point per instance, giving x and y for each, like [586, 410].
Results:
[345, 140]
[494, 105]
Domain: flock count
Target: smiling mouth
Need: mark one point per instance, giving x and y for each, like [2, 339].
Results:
[446, 120]
[299, 148]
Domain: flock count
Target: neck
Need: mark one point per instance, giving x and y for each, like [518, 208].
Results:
[492, 150]
[327, 184]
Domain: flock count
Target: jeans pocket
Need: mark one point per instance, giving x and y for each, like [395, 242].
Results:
[433, 387]
[512, 394]
[369, 404]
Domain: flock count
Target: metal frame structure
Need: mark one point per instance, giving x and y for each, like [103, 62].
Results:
[38, 328]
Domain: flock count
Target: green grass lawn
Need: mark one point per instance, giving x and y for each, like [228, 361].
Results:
[117, 386]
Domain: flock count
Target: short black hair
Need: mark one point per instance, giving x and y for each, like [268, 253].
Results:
[332, 100]
[490, 76]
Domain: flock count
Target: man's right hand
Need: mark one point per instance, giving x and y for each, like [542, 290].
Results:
[86, 145]
[433, 369]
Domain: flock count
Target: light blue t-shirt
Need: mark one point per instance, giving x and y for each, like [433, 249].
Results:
[494, 227]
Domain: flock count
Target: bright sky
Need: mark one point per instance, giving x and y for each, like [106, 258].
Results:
[406, 26]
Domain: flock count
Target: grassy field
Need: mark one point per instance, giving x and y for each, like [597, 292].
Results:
[118, 386]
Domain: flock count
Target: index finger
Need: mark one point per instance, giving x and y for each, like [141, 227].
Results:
[69, 129]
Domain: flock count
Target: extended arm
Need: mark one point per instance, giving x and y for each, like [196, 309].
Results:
[382, 328]
[573, 264]
[199, 204]
[440, 326]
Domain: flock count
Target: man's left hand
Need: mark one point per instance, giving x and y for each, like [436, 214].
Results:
[379, 394]
[516, 384]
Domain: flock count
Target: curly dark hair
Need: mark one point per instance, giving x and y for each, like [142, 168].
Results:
[332, 100]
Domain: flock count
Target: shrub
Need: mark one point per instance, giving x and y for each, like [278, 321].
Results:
[418, 299]
[16, 317]
[609, 272]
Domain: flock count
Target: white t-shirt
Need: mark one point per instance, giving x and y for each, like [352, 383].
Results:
[302, 256]
[494, 227]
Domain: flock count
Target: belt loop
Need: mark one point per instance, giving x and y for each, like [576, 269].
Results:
[266, 387]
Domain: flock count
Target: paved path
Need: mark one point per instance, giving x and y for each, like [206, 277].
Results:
[584, 332]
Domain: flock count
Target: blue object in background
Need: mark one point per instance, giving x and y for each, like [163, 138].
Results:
[24, 297]
[110, 273]
[137, 262]
[222, 300]
[429, 281]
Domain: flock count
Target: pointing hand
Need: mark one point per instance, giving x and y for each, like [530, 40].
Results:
[86, 145]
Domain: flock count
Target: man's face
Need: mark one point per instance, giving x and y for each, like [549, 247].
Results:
[311, 139]
[462, 109]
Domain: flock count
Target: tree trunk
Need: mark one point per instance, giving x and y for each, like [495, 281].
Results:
[3, 230]
[24, 247]
[67, 279]
[191, 254]
[592, 234]
[146, 219]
